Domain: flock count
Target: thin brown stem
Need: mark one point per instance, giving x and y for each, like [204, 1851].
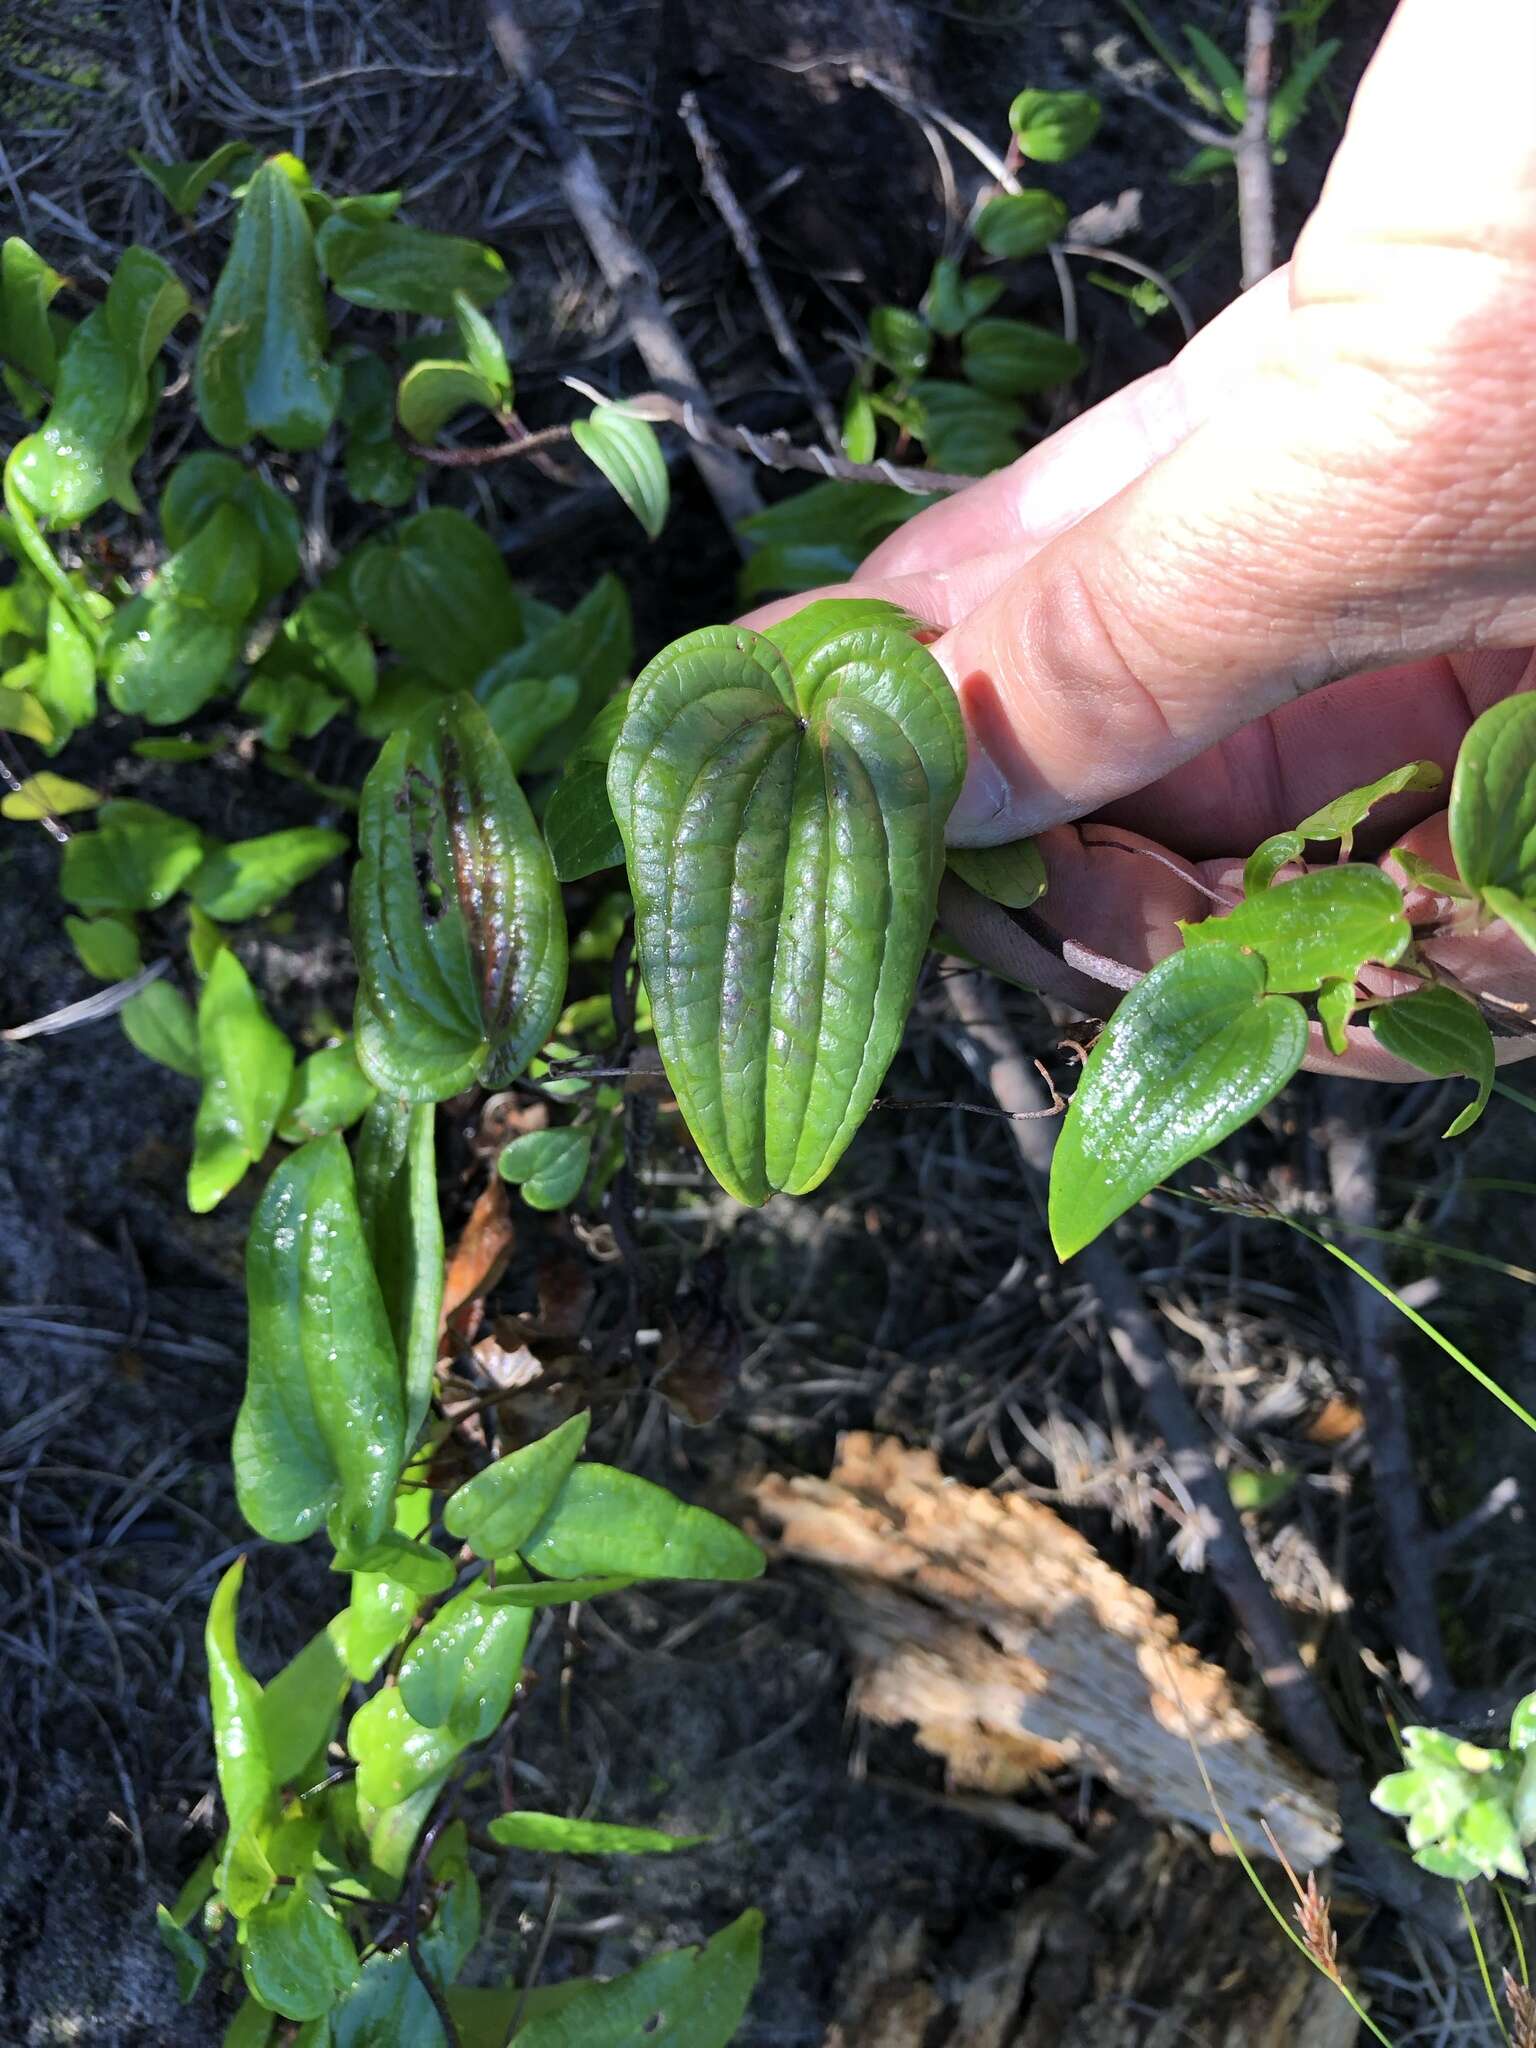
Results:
[1255, 172]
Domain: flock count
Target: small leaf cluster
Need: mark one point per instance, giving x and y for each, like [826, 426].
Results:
[1471, 1812]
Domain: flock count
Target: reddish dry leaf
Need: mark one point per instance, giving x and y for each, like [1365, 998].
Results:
[485, 1243]
[1335, 1422]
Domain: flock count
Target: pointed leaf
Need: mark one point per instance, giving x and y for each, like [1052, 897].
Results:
[551, 1834]
[1019, 224]
[1013, 358]
[202, 483]
[604, 1520]
[302, 1704]
[136, 859]
[108, 947]
[579, 824]
[329, 1091]
[261, 363]
[594, 642]
[1289, 101]
[953, 301]
[397, 1199]
[187, 1952]
[456, 913]
[184, 184]
[382, 1607]
[1322, 926]
[524, 711]
[1193, 1052]
[249, 877]
[549, 1592]
[320, 1434]
[966, 430]
[628, 453]
[432, 392]
[858, 428]
[396, 1756]
[1013, 875]
[1493, 806]
[783, 825]
[462, 1670]
[1441, 1032]
[27, 288]
[48, 796]
[298, 1957]
[1054, 127]
[688, 1998]
[1340, 819]
[900, 340]
[548, 1166]
[161, 1024]
[437, 591]
[500, 1507]
[247, 1064]
[378, 470]
[163, 661]
[392, 268]
[246, 1781]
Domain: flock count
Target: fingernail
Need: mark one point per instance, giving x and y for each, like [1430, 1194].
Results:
[981, 816]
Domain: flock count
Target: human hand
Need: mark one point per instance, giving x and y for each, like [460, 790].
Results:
[1301, 555]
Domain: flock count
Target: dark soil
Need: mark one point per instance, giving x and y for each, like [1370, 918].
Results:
[913, 1293]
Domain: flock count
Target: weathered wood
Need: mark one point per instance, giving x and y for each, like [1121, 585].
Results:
[996, 1631]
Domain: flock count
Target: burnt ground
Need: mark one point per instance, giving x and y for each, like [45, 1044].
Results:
[913, 1294]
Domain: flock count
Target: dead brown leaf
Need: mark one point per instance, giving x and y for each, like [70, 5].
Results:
[479, 1258]
[1335, 1422]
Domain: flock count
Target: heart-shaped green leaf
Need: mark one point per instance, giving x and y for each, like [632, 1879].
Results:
[136, 859]
[320, 1434]
[397, 1198]
[500, 1507]
[628, 453]
[1493, 811]
[328, 1092]
[1442, 1033]
[457, 919]
[783, 821]
[953, 301]
[551, 1834]
[107, 947]
[1017, 224]
[1013, 358]
[1052, 127]
[378, 470]
[578, 818]
[900, 340]
[594, 642]
[1194, 1051]
[462, 1670]
[1322, 926]
[246, 1065]
[1013, 875]
[965, 430]
[437, 591]
[1340, 819]
[160, 1023]
[204, 482]
[298, 1957]
[396, 1756]
[548, 1166]
[604, 1520]
[524, 711]
[261, 363]
[248, 877]
[27, 288]
[392, 268]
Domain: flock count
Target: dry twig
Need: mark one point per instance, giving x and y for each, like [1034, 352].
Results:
[1255, 176]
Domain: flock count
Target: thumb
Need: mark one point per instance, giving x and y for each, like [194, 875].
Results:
[1316, 524]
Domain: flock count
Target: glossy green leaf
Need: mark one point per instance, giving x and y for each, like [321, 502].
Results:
[164, 661]
[547, 1166]
[1336, 1005]
[420, 1566]
[1493, 808]
[205, 940]
[628, 453]
[83, 453]
[27, 289]
[1054, 127]
[783, 823]
[251, 2027]
[579, 826]
[482, 345]
[261, 364]
[1442, 1033]
[1221, 71]
[456, 913]
[551, 1834]
[66, 689]
[438, 592]
[1193, 1052]
[249, 877]
[186, 1951]
[852, 517]
[246, 1781]
[1013, 358]
[202, 483]
[320, 1434]
[432, 392]
[302, 1704]
[1423, 874]
[525, 710]
[462, 1670]
[323, 638]
[953, 300]
[48, 796]
[1289, 101]
[381, 1607]
[604, 1520]
[900, 340]
[184, 184]
[107, 947]
[858, 431]
[968, 431]
[396, 1756]
[161, 1024]
[1018, 224]
[391, 268]
[378, 470]
[1319, 927]
[288, 707]
[329, 1092]
[136, 859]
[21, 711]
[1339, 819]
[397, 1198]
[1013, 875]
[687, 1998]
[247, 1064]
[500, 1507]
[298, 1957]
[549, 1592]
[594, 642]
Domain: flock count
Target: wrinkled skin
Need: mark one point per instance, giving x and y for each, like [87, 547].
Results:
[1300, 555]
